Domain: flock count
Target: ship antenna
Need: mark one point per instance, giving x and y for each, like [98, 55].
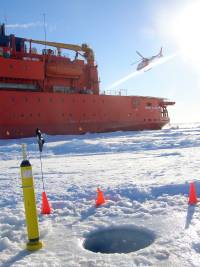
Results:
[45, 33]
[6, 21]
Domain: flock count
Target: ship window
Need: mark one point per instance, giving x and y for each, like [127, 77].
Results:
[136, 103]
[30, 115]
[22, 115]
[149, 119]
[149, 104]
[144, 119]
[38, 99]
[38, 114]
[63, 114]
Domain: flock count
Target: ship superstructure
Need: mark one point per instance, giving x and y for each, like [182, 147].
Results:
[61, 95]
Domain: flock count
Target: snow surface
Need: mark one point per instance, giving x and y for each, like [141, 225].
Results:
[145, 178]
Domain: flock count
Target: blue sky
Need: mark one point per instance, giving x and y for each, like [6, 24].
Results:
[115, 29]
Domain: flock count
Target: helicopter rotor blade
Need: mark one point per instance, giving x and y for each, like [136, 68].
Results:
[140, 54]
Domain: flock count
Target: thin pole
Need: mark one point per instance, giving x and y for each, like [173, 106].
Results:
[45, 33]
[42, 171]
[6, 21]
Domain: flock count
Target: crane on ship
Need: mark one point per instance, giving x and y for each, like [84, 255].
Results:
[88, 53]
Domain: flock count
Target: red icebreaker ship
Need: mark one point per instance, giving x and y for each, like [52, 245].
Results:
[60, 95]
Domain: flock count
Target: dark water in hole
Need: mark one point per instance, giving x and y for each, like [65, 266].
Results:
[119, 240]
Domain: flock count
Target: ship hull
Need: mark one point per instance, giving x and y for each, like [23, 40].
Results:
[59, 113]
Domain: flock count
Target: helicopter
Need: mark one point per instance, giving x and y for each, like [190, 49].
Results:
[146, 61]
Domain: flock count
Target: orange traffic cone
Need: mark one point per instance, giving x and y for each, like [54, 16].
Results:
[100, 198]
[46, 209]
[192, 194]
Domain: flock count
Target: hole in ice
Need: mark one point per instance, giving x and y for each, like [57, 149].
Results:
[119, 239]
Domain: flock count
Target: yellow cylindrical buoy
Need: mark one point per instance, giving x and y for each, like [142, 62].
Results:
[34, 242]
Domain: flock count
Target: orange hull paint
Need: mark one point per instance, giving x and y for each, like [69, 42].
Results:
[59, 113]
